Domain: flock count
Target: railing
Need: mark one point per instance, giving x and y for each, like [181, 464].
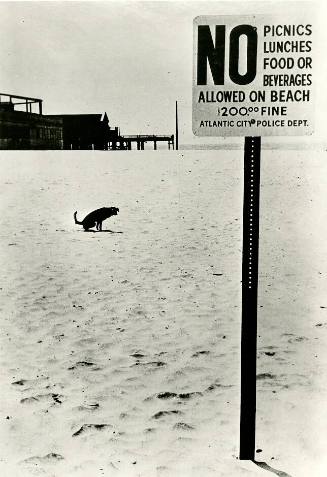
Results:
[148, 136]
[27, 101]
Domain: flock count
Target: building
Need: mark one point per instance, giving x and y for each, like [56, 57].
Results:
[21, 129]
[86, 131]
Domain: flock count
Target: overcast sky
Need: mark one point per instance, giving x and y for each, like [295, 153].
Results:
[130, 59]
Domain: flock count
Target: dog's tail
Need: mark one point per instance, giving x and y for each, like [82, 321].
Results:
[75, 218]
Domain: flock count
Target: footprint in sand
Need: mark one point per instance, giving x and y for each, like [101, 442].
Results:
[169, 395]
[49, 458]
[51, 398]
[88, 407]
[166, 395]
[183, 426]
[160, 414]
[216, 385]
[189, 395]
[298, 339]
[29, 382]
[263, 376]
[151, 364]
[91, 427]
[84, 364]
[138, 355]
[200, 353]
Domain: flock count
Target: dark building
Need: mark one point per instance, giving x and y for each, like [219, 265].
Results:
[86, 131]
[23, 128]
[26, 129]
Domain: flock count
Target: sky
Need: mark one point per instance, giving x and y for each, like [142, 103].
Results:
[132, 59]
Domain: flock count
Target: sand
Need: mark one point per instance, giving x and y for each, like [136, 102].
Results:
[120, 350]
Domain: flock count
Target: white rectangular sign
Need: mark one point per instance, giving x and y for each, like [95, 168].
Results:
[253, 75]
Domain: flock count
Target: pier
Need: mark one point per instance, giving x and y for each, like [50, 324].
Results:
[125, 142]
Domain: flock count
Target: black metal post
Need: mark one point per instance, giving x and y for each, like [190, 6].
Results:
[176, 128]
[252, 149]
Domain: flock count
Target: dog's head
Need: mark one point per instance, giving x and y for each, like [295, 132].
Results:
[112, 210]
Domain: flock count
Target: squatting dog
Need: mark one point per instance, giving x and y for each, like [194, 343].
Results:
[95, 218]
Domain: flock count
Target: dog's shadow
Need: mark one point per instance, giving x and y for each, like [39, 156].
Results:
[103, 231]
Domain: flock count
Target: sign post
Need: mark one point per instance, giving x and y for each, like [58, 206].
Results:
[251, 201]
[252, 77]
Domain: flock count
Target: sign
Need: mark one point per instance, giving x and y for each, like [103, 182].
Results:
[253, 75]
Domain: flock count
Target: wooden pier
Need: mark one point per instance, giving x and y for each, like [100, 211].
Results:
[126, 142]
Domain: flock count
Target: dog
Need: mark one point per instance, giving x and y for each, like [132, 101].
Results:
[95, 218]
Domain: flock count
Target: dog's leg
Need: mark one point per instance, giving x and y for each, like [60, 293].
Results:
[100, 226]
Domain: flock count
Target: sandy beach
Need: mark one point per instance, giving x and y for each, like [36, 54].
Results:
[120, 350]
